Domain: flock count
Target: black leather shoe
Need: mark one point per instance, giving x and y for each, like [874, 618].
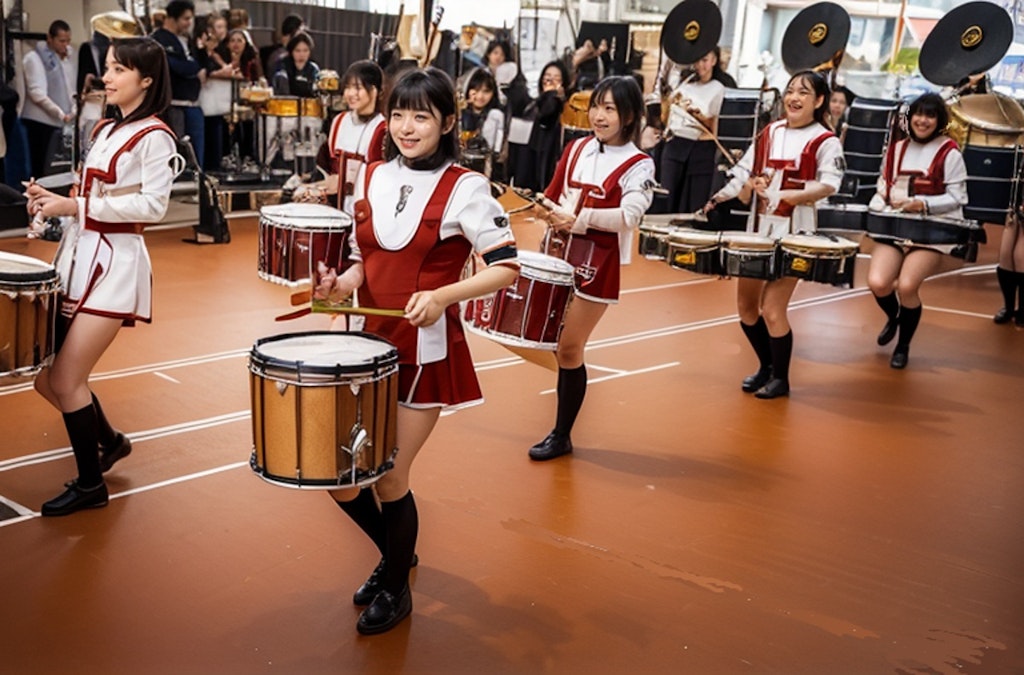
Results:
[374, 584]
[555, 445]
[752, 383]
[1004, 315]
[1018, 320]
[108, 457]
[773, 389]
[385, 612]
[75, 499]
[888, 331]
[899, 359]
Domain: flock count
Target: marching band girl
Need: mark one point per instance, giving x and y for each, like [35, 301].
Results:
[418, 217]
[356, 138]
[795, 162]
[126, 183]
[924, 173]
[602, 186]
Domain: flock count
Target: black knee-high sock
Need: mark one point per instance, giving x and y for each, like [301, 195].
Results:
[1020, 291]
[760, 340]
[107, 434]
[890, 304]
[1008, 285]
[84, 434]
[365, 513]
[909, 318]
[572, 388]
[402, 525]
[782, 351]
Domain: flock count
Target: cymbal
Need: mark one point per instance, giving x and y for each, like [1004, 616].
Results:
[691, 30]
[816, 38]
[968, 40]
[116, 25]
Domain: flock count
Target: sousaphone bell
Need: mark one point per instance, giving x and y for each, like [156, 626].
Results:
[816, 38]
[691, 30]
[968, 40]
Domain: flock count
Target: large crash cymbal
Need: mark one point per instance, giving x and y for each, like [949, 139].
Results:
[691, 30]
[968, 40]
[816, 38]
[116, 25]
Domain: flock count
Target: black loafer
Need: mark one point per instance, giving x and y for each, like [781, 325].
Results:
[385, 612]
[555, 445]
[752, 383]
[1004, 315]
[899, 359]
[374, 584]
[773, 389]
[888, 331]
[109, 456]
[1018, 320]
[75, 499]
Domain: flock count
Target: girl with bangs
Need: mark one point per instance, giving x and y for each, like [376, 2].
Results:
[357, 136]
[418, 217]
[924, 173]
[602, 188]
[794, 163]
[125, 184]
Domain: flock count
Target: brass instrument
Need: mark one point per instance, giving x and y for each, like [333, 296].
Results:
[116, 25]
[991, 120]
[816, 39]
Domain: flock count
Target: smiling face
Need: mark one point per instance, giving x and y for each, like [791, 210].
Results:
[705, 68]
[479, 98]
[417, 133]
[605, 120]
[800, 102]
[360, 99]
[836, 105]
[922, 126]
[123, 85]
[551, 79]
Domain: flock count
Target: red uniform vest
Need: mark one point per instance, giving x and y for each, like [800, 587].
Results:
[340, 158]
[793, 178]
[933, 182]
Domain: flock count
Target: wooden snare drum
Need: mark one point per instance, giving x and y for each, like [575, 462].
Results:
[324, 409]
[28, 308]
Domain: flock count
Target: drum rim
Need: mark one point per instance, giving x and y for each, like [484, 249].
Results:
[377, 368]
[363, 477]
[561, 267]
[44, 272]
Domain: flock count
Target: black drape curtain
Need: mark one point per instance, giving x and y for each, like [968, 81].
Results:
[342, 36]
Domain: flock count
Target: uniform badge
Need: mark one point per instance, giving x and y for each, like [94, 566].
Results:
[586, 273]
[501, 221]
[403, 199]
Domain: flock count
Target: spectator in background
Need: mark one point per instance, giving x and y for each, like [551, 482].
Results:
[50, 79]
[298, 73]
[272, 55]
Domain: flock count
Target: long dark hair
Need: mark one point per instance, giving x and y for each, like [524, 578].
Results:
[483, 79]
[929, 105]
[561, 69]
[428, 90]
[629, 101]
[147, 56]
[366, 73]
[820, 87]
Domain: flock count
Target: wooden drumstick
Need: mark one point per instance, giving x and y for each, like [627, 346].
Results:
[341, 309]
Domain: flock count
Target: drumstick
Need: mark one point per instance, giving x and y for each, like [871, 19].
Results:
[328, 309]
[301, 297]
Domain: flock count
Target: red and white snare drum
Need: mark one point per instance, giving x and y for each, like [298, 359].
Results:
[746, 254]
[324, 409]
[293, 238]
[28, 308]
[822, 258]
[529, 313]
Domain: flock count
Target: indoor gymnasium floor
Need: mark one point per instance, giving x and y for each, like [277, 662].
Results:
[870, 523]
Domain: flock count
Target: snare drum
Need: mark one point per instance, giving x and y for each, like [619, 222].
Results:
[746, 254]
[852, 217]
[28, 307]
[827, 260]
[914, 229]
[293, 238]
[324, 408]
[652, 240]
[530, 312]
[695, 250]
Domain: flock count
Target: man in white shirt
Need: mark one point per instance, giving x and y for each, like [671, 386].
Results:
[50, 77]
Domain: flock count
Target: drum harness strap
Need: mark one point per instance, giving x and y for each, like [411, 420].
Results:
[934, 182]
[346, 189]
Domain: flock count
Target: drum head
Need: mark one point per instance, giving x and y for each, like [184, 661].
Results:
[541, 266]
[306, 216]
[322, 353]
[23, 269]
[746, 240]
[810, 242]
[691, 237]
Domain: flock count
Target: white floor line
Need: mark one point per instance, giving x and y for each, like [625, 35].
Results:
[958, 311]
[662, 287]
[620, 374]
[606, 369]
[166, 377]
[16, 507]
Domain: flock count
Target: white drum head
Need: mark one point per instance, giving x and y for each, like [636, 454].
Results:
[15, 267]
[535, 265]
[325, 349]
[301, 216]
[812, 242]
[746, 240]
[689, 236]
